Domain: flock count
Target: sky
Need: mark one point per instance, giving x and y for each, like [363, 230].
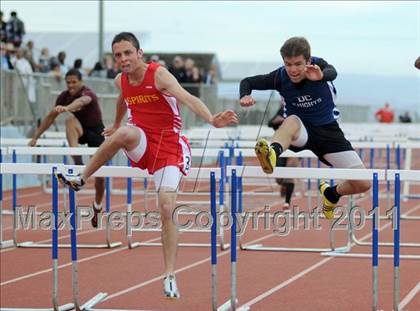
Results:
[358, 37]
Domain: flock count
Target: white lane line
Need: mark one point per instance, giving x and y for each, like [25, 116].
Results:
[409, 297]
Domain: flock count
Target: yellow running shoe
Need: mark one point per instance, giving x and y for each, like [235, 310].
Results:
[327, 205]
[266, 155]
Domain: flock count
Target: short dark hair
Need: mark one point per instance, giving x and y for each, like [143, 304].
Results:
[74, 72]
[126, 36]
[78, 63]
[296, 46]
[13, 13]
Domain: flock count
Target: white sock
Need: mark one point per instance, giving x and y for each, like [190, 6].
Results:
[97, 206]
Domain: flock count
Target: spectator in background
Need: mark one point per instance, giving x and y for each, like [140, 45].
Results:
[5, 57]
[11, 54]
[4, 64]
[162, 63]
[113, 72]
[98, 71]
[78, 62]
[405, 118]
[3, 29]
[61, 57]
[385, 114]
[211, 75]
[23, 67]
[192, 76]
[15, 30]
[55, 70]
[111, 68]
[44, 61]
[417, 63]
[154, 58]
[177, 69]
[31, 52]
[188, 67]
[196, 76]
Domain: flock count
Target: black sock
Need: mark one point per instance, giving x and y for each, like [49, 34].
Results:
[78, 160]
[278, 149]
[289, 191]
[331, 194]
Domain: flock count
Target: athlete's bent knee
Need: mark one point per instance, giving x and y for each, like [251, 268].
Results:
[70, 121]
[126, 136]
[291, 123]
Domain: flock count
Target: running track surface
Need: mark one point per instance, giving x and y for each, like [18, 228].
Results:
[266, 280]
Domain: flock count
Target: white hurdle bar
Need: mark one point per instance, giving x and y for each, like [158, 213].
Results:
[40, 142]
[53, 134]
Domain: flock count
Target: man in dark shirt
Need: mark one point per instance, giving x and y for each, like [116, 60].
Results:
[83, 126]
[310, 123]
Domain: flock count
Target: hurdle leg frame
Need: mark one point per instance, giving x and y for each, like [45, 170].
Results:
[8, 243]
[54, 248]
[107, 245]
[75, 280]
[260, 247]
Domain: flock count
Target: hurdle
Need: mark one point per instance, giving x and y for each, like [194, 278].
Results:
[302, 173]
[232, 303]
[398, 176]
[354, 174]
[354, 240]
[406, 175]
[54, 249]
[54, 134]
[40, 142]
[8, 243]
[41, 169]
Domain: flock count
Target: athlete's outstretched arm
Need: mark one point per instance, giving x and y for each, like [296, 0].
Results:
[166, 82]
[120, 110]
[45, 124]
[268, 81]
[75, 105]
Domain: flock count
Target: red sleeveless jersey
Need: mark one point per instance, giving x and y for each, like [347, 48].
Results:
[158, 115]
[150, 109]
